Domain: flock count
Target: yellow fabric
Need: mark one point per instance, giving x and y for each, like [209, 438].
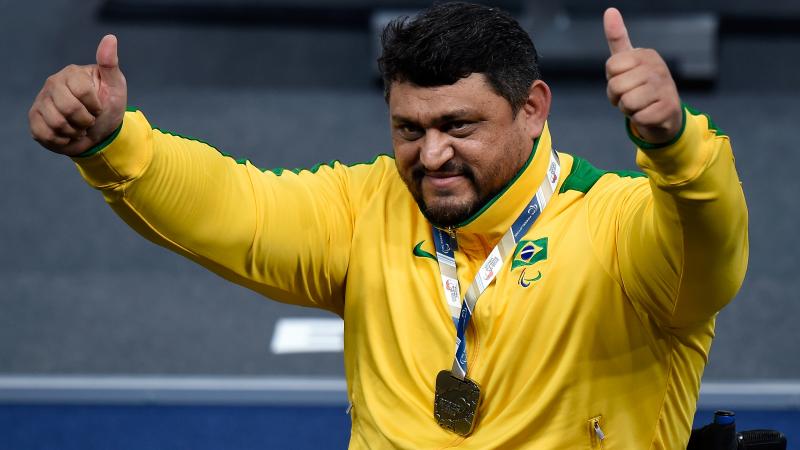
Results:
[614, 325]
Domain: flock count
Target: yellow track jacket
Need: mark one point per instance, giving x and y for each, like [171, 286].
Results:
[604, 321]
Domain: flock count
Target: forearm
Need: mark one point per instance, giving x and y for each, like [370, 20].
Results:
[231, 218]
[688, 245]
[177, 192]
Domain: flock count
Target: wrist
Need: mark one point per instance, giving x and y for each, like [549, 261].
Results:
[652, 141]
[102, 144]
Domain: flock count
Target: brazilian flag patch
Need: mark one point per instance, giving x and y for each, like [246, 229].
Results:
[529, 253]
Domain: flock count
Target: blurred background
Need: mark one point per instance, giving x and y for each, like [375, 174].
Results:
[107, 341]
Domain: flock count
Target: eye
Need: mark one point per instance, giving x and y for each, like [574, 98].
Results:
[459, 128]
[409, 132]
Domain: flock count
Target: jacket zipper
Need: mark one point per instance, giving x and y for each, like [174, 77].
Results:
[596, 432]
[351, 410]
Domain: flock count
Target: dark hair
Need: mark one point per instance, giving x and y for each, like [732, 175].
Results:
[450, 41]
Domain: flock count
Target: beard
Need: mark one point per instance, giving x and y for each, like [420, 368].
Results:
[447, 209]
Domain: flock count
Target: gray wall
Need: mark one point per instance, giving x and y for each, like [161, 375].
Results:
[83, 294]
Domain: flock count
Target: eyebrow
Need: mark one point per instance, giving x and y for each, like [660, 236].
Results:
[444, 118]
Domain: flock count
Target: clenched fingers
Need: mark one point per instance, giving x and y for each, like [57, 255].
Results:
[640, 84]
[637, 99]
[636, 78]
[42, 132]
[85, 88]
[56, 120]
[625, 82]
[62, 108]
[622, 62]
[71, 108]
[80, 105]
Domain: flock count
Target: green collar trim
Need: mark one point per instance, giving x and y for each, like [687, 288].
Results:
[583, 176]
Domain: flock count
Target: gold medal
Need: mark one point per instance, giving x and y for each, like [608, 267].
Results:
[456, 403]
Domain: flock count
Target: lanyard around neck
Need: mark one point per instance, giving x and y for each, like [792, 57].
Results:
[461, 311]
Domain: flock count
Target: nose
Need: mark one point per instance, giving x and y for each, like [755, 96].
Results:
[436, 149]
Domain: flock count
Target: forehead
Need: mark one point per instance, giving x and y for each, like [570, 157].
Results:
[472, 95]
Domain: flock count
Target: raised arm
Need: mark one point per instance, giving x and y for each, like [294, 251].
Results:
[682, 242]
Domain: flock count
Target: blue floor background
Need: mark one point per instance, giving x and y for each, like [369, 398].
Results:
[96, 427]
[124, 427]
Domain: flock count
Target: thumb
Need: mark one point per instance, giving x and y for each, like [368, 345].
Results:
[616, 33]
[108, 62]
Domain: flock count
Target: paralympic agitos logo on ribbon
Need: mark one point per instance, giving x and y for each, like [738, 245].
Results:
[527, 254]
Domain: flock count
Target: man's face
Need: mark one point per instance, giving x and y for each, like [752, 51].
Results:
[456, 146]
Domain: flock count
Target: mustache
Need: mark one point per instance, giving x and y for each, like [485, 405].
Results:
[450, 168]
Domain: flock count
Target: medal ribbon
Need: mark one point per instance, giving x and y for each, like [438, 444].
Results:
[461, 311]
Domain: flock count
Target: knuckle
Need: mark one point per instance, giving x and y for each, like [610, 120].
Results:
[613, 85]
[60, 123]
[36, 124]
[612, 68]
[79, 89]
[621, 104]
[82, 85]
[34, 133]
[650, 55]
[611, 92]
[47, 139]
[46, 135]
[57, 144]
[71, 108]
[83, 122]
[619, 63]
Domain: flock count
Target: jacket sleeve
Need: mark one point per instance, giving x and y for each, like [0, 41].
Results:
[682, 242]
[284, 234]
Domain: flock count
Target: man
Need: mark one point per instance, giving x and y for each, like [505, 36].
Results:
[496, 294]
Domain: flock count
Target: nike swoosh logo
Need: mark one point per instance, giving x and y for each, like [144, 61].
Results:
[418, 251]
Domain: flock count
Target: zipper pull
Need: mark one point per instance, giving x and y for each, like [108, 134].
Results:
[598, 431]
[451, 231]
[349, 408]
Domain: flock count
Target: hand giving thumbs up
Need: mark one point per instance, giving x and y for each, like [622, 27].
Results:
[80, 106]
[640, 84]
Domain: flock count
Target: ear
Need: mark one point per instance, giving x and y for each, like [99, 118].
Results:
[536, 108]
